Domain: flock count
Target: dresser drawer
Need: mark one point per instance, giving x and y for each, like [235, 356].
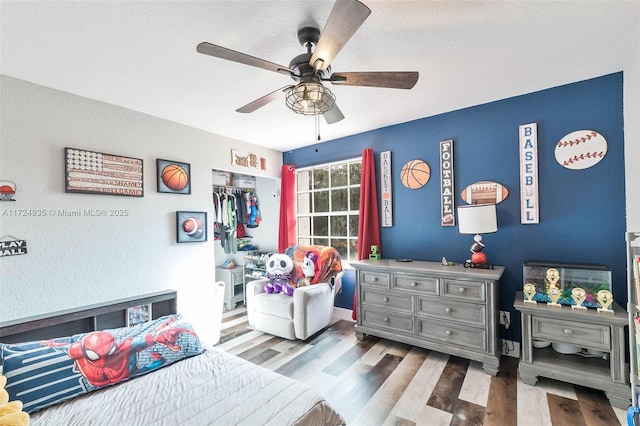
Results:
[378, 279]
[387, 320]
[427, 285]
[475, 338]
[398, 302]
[446, 309]
[464, 290]
[578, 333]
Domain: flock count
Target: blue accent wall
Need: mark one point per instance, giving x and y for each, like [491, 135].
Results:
[582, 212]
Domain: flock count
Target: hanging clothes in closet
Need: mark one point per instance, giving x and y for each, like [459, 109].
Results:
[254, 212]
[226, 208]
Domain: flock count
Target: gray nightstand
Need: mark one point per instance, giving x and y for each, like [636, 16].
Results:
[586, 329]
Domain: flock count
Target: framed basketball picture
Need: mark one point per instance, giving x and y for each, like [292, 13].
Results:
[191, 227]
[174, 177]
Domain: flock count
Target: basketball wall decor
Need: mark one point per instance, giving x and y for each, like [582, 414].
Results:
[581, 149]
[415, 174]
[7, 190]
[174, 177]
[485, 192]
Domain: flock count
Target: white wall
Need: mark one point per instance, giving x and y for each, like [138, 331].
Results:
[632, 141]
[73, 261]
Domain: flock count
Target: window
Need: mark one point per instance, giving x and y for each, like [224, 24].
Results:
[328, 200]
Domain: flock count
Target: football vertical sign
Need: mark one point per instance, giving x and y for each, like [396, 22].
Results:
[529, 174]
[385, 184]
[447, 202]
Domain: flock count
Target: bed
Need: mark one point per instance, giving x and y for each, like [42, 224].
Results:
[201, 386]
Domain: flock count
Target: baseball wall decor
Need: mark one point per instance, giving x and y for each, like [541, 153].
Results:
[529, 173]
[415, 174]
[581, 149]
[385, 188]
[447, 200]
[90, 172]
[485, 192]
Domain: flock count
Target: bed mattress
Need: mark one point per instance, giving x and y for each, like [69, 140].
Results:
[213, 388]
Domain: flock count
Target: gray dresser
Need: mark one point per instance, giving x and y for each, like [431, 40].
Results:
[450, 309]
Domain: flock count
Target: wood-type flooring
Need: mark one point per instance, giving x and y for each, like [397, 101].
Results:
[381, 382]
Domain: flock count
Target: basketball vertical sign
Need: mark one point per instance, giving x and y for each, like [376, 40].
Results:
[385, 188]
[447, 200]
[529, 174]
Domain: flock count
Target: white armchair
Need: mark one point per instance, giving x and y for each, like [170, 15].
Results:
[305, 313]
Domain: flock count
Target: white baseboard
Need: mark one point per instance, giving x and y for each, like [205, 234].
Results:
[510, 348]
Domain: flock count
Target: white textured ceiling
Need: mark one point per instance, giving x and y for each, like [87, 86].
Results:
[142, 55]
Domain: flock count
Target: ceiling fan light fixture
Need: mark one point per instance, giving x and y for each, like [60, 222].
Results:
[309, 98]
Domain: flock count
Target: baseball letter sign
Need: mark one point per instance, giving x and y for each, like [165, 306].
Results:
[529, 173]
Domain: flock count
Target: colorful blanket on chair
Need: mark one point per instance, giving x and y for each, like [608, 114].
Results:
[328, 262]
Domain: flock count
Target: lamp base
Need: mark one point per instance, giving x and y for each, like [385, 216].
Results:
[470, 264]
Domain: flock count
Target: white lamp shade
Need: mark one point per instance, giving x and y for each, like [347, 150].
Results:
[477, 219]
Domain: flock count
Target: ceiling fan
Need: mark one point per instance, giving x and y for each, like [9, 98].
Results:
[309, 96]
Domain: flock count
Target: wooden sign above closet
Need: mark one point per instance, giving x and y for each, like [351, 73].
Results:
[250, 160]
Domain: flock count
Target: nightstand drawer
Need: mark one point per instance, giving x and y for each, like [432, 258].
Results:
[475, 338]
[578, 333]
[425, 285]
[398, 302]
[471, 313]
[387, 320]
[465, 290]
[374, 279]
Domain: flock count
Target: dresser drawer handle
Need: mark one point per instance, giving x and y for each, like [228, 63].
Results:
[414, 284]
[447, 310]
[385, 319]
[448, 332]
[568, 332]
[386, 299]
[374, 279]
[462, 289]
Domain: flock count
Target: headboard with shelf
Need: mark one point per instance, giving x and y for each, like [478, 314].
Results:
[84, 319]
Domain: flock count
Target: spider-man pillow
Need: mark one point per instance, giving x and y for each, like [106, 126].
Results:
[48, 372]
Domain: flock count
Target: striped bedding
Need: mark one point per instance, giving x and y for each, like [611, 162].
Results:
[213, 388]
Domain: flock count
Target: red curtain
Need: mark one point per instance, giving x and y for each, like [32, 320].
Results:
[287, 229]
[368, 222]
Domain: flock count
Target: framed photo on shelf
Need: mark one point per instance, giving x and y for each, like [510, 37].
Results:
[174, 177]
[138, 314]
[191, 227]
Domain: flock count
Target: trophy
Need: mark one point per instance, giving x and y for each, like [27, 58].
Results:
[579, 296]
[554, 294]
[552, 289]
[605, 298]
[529, 291]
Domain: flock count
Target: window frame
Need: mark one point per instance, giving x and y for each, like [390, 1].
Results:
[352, 212]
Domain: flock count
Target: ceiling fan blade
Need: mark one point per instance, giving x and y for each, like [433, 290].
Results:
[333, 115]
[260, 102]
[391, 79]
[232, 55]
[344, 20]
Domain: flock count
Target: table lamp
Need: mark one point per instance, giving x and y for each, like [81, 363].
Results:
[477, 219]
